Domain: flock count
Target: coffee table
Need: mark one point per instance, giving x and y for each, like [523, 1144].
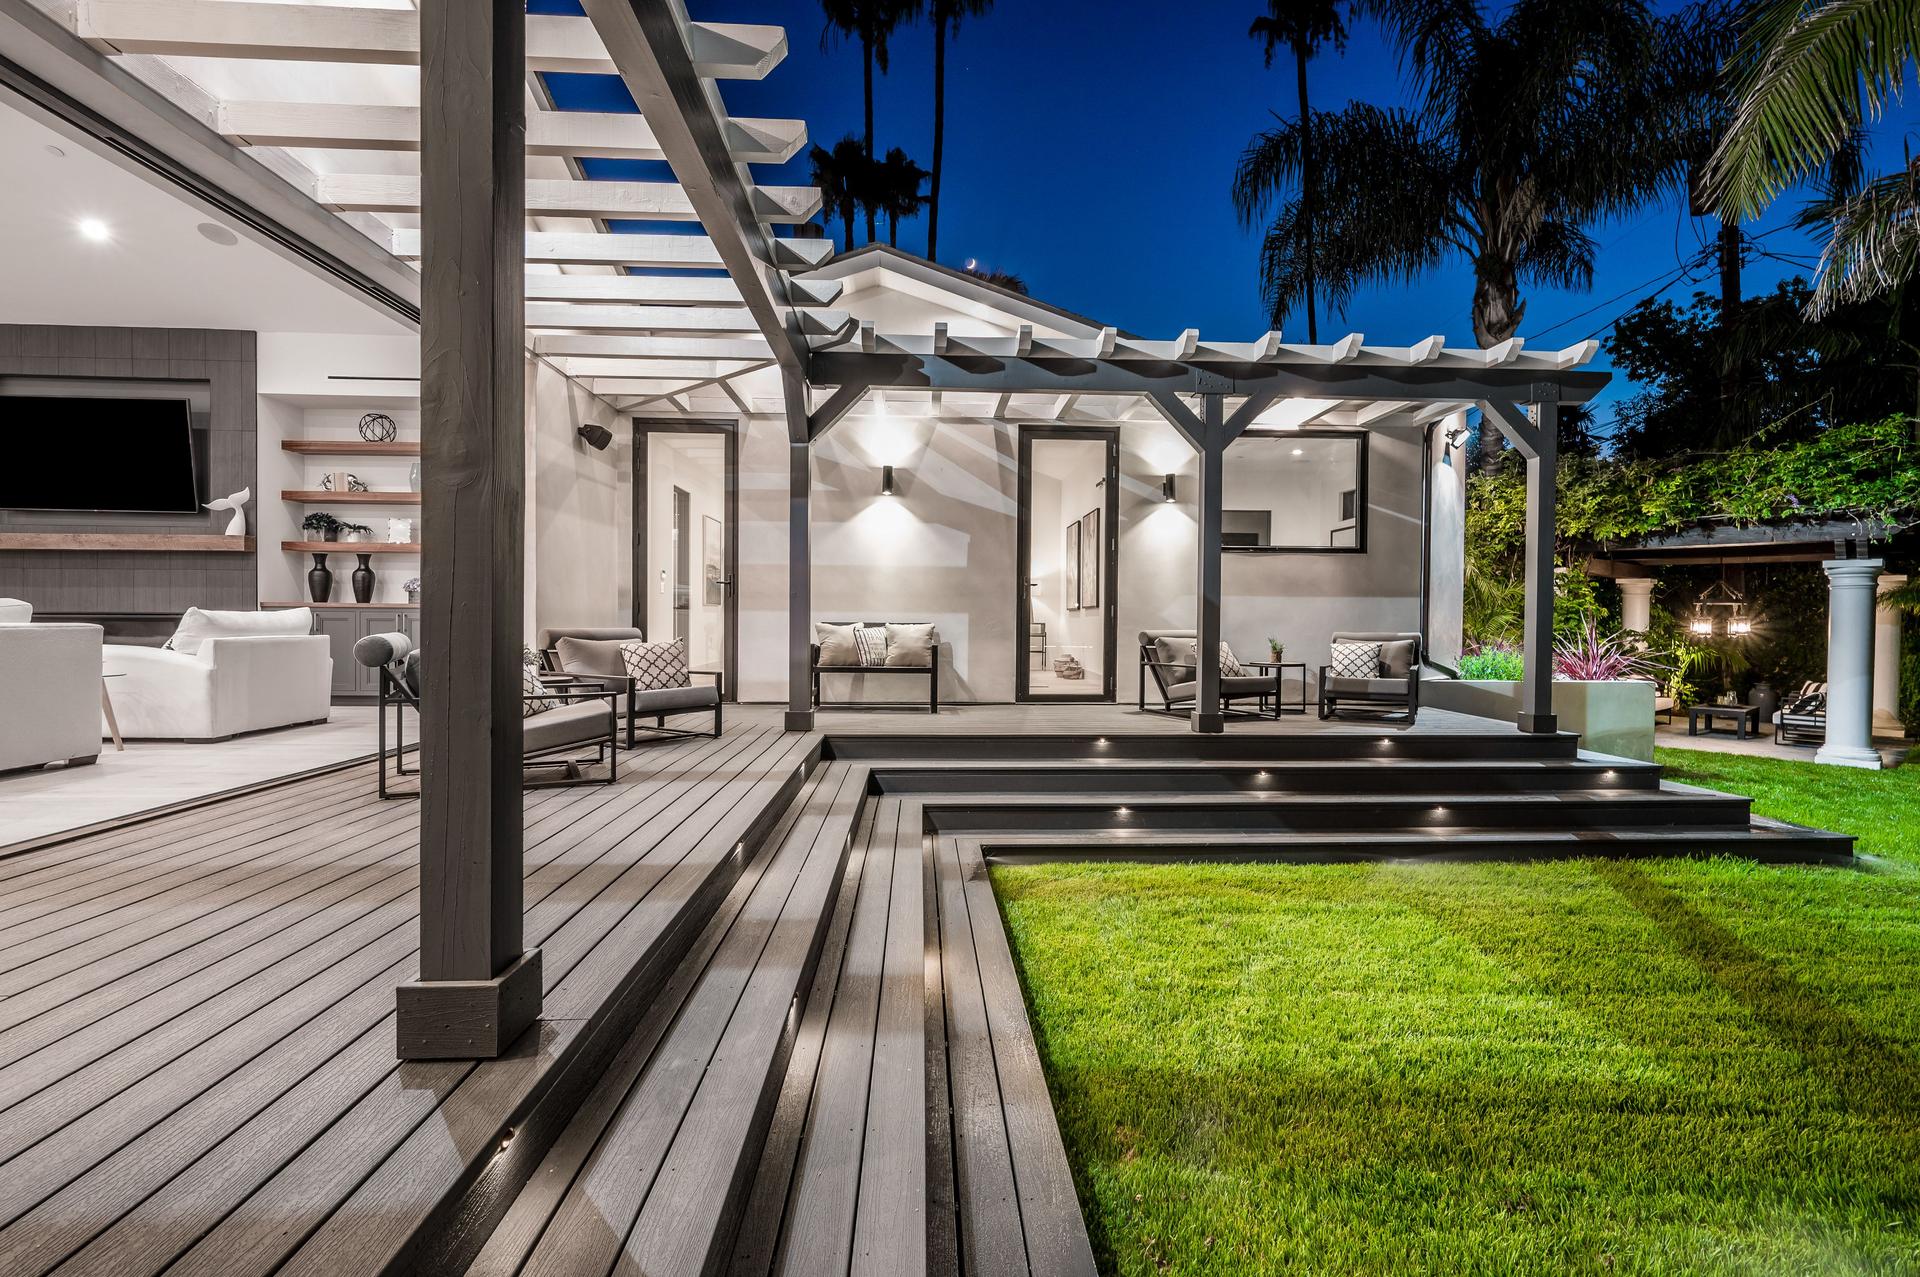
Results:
[1746, 719]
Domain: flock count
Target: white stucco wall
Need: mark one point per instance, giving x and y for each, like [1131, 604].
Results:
[579, 513]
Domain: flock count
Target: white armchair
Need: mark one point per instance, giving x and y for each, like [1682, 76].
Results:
[49, 690]
[230, 685]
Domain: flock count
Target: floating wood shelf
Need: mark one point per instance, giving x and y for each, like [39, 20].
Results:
[350, 547]
[319, 497]
[339, 607]
[349, 448]
[146, 541]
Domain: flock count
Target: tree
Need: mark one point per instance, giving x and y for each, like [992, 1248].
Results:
[1807, 79]
[872, 23]
[1302, 26]
[844, 177]
[998, 278]
[896, 190]
[946, 17]
[1528, 128]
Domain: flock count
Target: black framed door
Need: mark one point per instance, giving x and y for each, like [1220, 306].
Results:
[686, 553]
[1067, 569]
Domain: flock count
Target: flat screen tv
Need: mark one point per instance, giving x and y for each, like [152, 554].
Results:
[70, 453]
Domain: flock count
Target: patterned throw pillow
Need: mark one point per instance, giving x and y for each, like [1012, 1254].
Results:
[652, 665]
[534, 701]
[1355, 660]
[871, 640]
[1230, 666]
[1811, 703]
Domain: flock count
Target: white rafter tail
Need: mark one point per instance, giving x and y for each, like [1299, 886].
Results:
[1104, 343]
[1426, 350]
[786, 205]
[815, 292]
[1345, 349]
[733, 51]
[1505, 352]
[833, 325]
[754, 141]
[1186, 343]
[869, 341]
[1268, 348]
[940, 338]
[791, 253]
[1023, 342]
[1574, 356]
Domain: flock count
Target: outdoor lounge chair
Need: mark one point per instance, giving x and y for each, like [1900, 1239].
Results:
[1169, 656]
[586, 715]
[928, 669]
[592, 652]
[1802, 717]
[1393, 684]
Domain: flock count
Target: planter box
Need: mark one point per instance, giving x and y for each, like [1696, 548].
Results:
[1610, 717]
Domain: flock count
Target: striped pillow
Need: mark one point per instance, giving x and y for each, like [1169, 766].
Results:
[871, 640]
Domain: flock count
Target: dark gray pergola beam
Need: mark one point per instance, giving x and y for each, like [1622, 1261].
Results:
[994, 375]
[62, 75]
[1537, 438]
[478, 988]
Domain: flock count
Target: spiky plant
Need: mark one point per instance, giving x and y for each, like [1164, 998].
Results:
[1592, 657]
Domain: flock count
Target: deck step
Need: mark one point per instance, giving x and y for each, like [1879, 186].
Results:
[1315, 776]
[652, 1173]
[1384, 741]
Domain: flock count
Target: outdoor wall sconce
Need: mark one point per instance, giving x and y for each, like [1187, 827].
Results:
[1166, 489]
[596, 437]
[886, 481]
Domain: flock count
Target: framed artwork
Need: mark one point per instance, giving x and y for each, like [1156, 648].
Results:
[713, 569]
[1071, 565]
[1090, 558]
[1349, 505]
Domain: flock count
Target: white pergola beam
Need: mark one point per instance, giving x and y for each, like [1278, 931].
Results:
[565, 197]
[572, 134]
[666, 290]
[589, 248]
[679, 371]
[665, 320]
[631, 347]
[329, 33]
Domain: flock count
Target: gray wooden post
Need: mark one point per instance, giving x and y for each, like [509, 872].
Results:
[1206, 625]
[1543, 470]
[799, 559]
[478, 988]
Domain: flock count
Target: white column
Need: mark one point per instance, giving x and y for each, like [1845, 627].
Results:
[1636, 603]
[1886, 661]
[1853, 587]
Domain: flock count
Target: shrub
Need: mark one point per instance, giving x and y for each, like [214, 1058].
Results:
[1589, 657]
[1492, 663]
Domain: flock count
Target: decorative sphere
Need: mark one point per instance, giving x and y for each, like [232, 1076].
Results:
[378, 427]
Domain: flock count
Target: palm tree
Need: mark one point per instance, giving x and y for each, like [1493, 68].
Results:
[842, 176]
[1807, 78]
[1530, 125]
[1302, 26]
[872, 22]
[946, 17]
[995, 276]
[896, 190]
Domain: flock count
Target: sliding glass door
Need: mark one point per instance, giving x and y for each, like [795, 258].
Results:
[685, 513]
[1064, 591]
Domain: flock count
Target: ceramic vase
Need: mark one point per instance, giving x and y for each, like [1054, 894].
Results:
[363, 579]
[319, 580]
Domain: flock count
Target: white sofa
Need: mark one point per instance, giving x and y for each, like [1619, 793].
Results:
[236, 672]
[49, 690]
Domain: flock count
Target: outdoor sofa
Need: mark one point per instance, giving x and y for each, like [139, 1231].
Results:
[592, 652]
[1391, 682]
[885, 647]
[1167, 657]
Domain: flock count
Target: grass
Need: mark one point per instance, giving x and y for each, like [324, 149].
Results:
[1606, 1067]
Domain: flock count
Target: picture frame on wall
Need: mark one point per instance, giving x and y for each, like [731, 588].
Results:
[1071, 565]
[1090, 558]
[713, 571]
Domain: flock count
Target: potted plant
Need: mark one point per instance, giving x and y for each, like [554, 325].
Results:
[1603, 689]
[357, 531]
[1278, 649]
[412, 586]
[321, 526]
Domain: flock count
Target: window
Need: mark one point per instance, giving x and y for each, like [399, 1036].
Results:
[1295, 491]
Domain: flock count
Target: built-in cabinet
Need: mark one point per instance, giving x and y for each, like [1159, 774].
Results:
[345, 626]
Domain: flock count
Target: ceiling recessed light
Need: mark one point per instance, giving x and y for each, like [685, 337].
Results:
[56, 152]
[1299, 452]
[94, 229]
[218, 234]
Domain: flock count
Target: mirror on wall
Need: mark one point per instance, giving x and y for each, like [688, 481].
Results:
[1294, 490]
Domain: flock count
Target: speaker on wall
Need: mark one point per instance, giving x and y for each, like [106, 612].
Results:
[597, 437]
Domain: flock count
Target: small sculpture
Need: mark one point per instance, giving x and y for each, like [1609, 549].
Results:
[237, 526]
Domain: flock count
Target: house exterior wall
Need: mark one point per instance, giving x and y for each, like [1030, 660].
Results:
[579, 512]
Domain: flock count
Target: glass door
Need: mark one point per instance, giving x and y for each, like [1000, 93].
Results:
[1069, 480]
[686, 508]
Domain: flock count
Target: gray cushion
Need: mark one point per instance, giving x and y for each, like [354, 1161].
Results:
[547, 638]
[837, 644]
[663, 700]
[1243, 685]
[376, 650]
[573, 724]
[910, 646]
[591, 656]
[1366, 686]
[1177, 653]
[1396, 658]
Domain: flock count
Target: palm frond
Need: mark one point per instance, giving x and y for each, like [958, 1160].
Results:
[1806, 79]
[1559, 254]
[1874, 244]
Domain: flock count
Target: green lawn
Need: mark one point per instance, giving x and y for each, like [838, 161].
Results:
[1621, 1067]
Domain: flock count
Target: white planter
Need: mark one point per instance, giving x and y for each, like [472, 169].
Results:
[1613, 717]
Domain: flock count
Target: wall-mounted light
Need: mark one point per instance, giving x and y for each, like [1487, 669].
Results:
[597, 437]
[886, 481]
[94, 229]
[1455, 436]
[1166, 490]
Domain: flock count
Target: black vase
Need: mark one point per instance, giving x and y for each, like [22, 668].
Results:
[319, 580]
[363, 579]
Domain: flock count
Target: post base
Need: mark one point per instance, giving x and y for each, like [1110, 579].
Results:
[1208, 722]
[468, 1019]
[799, 720]
[1540, 723]
[1849, 756]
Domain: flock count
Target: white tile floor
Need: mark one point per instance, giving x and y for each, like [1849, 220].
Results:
[154, 773]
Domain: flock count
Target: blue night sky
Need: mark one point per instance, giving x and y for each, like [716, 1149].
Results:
[1090, 147]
